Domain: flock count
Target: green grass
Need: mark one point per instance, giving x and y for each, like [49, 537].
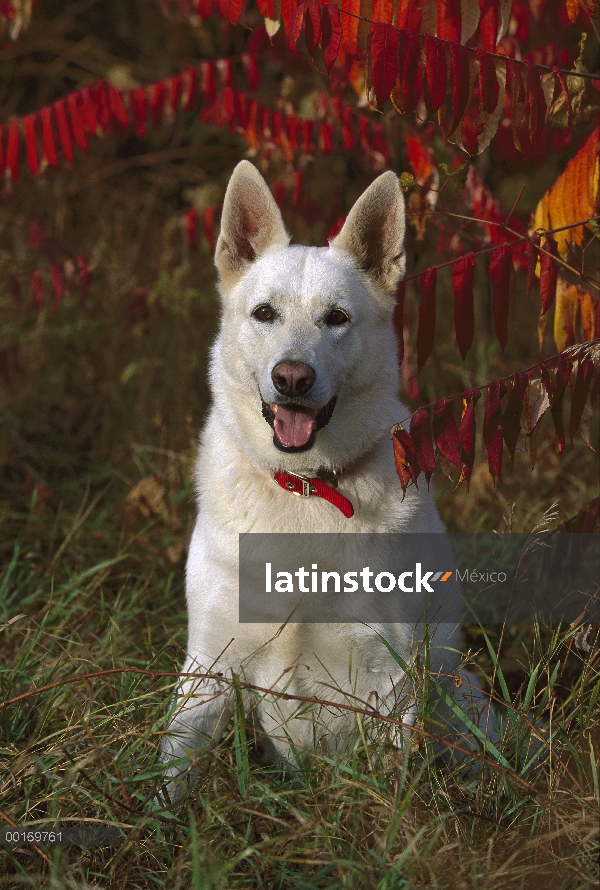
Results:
[104, 596]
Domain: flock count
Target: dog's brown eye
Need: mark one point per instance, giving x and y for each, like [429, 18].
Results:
[263, 313]
[336, 317]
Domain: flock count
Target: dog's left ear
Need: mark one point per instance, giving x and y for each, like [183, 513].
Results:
[250, 223]
[373, 233]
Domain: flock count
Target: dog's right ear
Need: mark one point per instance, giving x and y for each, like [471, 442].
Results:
[250, 223]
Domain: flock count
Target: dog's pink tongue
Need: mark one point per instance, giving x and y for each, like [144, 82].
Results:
[293, 428]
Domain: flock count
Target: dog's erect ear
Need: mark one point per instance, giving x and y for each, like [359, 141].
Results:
[373, 233]
[250, 223]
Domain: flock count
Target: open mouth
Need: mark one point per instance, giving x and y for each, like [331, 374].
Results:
[295, 426]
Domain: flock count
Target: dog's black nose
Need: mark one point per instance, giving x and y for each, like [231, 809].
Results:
[293, 378]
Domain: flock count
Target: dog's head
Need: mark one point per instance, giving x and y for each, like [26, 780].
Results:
[304, 371]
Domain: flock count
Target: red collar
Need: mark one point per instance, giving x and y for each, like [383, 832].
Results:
[303, 486]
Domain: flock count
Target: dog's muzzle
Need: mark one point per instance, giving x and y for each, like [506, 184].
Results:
[300, 416]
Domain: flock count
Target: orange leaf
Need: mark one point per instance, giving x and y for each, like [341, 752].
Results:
[448, 19]
[565, 314]
[409, 15]
[573, 197]
[350, 22]
[383, 11]
[586, 308]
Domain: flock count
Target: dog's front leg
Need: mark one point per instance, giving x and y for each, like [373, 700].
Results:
[203, 707]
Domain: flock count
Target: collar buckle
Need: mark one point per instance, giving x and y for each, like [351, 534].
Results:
[307, 487]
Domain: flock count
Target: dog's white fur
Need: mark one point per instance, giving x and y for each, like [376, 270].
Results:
[357, 362]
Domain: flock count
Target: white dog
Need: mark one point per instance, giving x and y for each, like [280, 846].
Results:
[304, 377]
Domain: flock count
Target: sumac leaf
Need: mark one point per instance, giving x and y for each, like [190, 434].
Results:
[489, 87]
[492, 428]
[426, 332]
[410, 80]
[88, 107]
[435, 82]
[547, 381]
[102, 104]
[383, 46]
[405, 457]
[585, 374]
[449, 19]
[563, 372]
[563, 85]
[565, 314]
[331, 34]
[295, 27]
[532, 259]
[242, 103]
[158, 98]
[586, 312]
[511, 418]
[64, 133]
[409, 15]
[402, 465]
[208, 86]
[350, 22]
[175, 91]
[312, 25]
[536, 104]
[464, 314]
[548, 272]
[518, 92]
[252, 71]
[503, 282]
[117, 107]
[488, 24]
[231, 9]
[307, 135]
[229, 108]
[420, 432]
[48, 142]
[226, 73]
[459, 58]
[139, 106]
[190, 94]
[292, 129]
[326, 137]
[467, 433]
[383, 11]
[444, 431]
[31, 143]
[12, 149]
[77, 122]
[266, 8]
